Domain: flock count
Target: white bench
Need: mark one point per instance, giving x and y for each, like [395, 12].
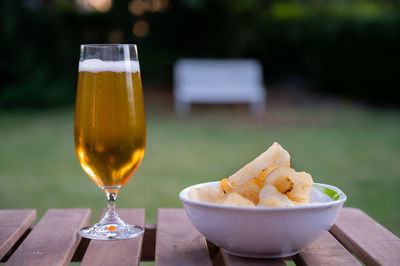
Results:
[218, 81]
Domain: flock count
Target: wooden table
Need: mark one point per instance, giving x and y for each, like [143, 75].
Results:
[174, 241]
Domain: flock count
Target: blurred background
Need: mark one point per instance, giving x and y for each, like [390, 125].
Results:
[330, 69]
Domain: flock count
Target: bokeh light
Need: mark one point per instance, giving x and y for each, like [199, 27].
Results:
[95, 5]
[141, 28]
[139, 7]
[116, 36]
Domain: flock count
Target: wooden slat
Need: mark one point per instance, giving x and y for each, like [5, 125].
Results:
[231, 260]
[117, 252]
[366, 238]
[177, 241]
[325, 250]
[53, 240]
[13, 224]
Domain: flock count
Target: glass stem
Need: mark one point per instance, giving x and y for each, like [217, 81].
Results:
[111, 210]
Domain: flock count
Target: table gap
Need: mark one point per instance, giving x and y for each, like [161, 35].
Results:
[348, 249]
[149, 243]
[80, 250]
[16, 245]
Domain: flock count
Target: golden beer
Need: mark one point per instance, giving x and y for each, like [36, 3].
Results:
[110, 128]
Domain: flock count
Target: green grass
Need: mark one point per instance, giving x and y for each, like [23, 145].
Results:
[356, 149]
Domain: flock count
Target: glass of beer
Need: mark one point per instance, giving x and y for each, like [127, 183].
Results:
[110, 128]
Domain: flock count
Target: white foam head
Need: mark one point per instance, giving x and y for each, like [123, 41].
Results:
[96, 65]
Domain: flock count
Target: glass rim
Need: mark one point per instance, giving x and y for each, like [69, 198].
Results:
[108, 45]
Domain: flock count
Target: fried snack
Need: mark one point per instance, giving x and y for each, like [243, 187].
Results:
[234, 199]
[268, 180]
[267, 171]
[302, 187]
[275, 155]
[271, 197]
[257, 182]
[225, 185]
[210, 194]
[249, 191]
[282, 179]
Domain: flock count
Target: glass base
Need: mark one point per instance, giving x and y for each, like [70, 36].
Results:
[111, 227]
[111, 231]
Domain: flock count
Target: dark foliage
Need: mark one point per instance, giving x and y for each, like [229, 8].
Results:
[348, 48]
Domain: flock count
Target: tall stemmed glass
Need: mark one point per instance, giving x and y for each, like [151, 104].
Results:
[110, 127]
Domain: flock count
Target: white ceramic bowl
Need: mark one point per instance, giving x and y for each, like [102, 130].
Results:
[263, 232]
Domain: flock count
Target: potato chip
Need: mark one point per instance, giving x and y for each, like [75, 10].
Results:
[268, 180]
[267, 171]
[210, 194]
[234, 199]
[282, 179]
[271, 197]
[225, 185]
[257, 182]
[249, 191]
[274, 155]
[302, 187]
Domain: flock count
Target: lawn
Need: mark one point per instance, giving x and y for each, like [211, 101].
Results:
[354, 148]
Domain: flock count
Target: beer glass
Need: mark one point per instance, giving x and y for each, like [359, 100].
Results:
[109, 128]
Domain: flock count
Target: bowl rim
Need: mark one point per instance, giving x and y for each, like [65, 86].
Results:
[184, 199]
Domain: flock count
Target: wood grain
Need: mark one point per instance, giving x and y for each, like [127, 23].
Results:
[325, 250]
[231, 260]
[366, 238]
[177, 241]
[117, 252]
[13, 224]
[53, 240]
